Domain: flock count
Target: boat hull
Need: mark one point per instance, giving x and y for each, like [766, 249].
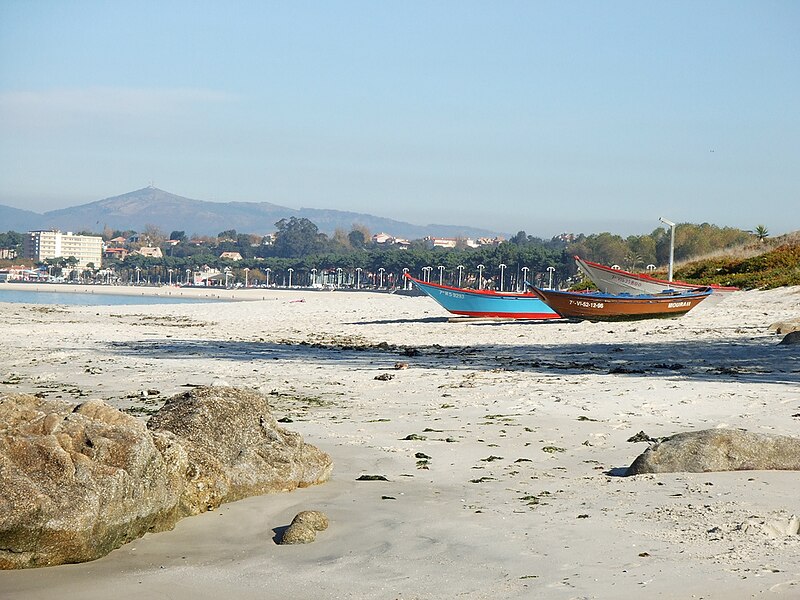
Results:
[610, 307]
[486, 303]
[616, 281]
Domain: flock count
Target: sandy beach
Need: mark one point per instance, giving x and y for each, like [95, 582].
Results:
[503, 444]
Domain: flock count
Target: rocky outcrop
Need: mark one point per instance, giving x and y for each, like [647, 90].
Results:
[235, 447]
[719, 450]
[784, 327]
[791, 338]
[78, 481]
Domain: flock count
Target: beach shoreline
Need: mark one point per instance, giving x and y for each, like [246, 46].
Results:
[524, 426]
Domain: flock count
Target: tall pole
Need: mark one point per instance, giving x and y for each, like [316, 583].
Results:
[502, 275]
[290, 270]
[380, 277]
[525, 277]
[480, 276]
[671, 243]
[441, 273]
[460, 270]
[551, 270]
[358, 278]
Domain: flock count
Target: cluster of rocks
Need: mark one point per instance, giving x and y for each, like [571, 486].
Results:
[78, 481]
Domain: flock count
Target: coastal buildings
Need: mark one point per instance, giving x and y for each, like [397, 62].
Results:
[48, 244]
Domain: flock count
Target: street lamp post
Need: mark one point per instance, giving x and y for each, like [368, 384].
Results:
[227, 274]
[170, 275]
[525, 277]
[502, 275]
[551, 270]
[268, 271]
[188, 273]
[427, 273]
[358, 277]
[313, 277]
[671, 243]
[405, 277]
[441, 273]
[138, 270]
[338, 277]
[290, 270]
[460, 271]
[246, 271]
[480, 276]
[380, 277]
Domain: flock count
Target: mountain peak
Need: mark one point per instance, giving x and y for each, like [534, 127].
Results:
[150, 205]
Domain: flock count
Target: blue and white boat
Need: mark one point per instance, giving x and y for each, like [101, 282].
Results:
[487, 303]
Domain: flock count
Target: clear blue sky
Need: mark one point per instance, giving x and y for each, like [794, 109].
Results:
[542, 116]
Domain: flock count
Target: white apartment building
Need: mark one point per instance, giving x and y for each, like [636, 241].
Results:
[41, 245]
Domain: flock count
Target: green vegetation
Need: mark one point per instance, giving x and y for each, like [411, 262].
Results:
[347, 257]
[775, 268]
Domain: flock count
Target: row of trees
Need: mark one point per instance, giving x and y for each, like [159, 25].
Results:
[300, 246]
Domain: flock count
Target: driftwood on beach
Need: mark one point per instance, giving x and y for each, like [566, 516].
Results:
[78, 481]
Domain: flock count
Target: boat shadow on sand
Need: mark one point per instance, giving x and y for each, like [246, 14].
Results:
[747, 360]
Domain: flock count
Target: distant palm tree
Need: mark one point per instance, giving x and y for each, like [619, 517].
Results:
[761, 233]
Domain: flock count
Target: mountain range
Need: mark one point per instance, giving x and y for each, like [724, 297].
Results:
[151, 206]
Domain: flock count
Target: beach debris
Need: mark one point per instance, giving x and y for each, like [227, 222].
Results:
[400, 365]
[481, 480]
[304, 527]
[285, 420]
[422, 455]
[491, 458]
[782, 528]
[410, 351]
[371, 478]
[641, 437]
[719, 450]
[553, 449]
[384, 377]
[414, 437]
[388, 498]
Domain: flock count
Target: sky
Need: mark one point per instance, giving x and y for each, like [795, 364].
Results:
[541, 116]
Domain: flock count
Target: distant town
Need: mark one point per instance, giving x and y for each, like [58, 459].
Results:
[298, 254]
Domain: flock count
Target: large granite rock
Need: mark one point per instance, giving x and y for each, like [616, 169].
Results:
[78, 481]
[719, 450]
[235, 447]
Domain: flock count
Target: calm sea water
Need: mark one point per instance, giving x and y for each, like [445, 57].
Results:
[47, 297]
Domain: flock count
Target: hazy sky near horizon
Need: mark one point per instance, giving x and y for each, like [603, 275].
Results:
[540, 116]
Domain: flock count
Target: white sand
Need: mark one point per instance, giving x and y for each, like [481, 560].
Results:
[506, 390]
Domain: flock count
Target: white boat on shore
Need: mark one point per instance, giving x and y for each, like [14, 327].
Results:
[616, 281]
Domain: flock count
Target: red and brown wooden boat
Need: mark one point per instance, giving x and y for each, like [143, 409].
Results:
[598, 306]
